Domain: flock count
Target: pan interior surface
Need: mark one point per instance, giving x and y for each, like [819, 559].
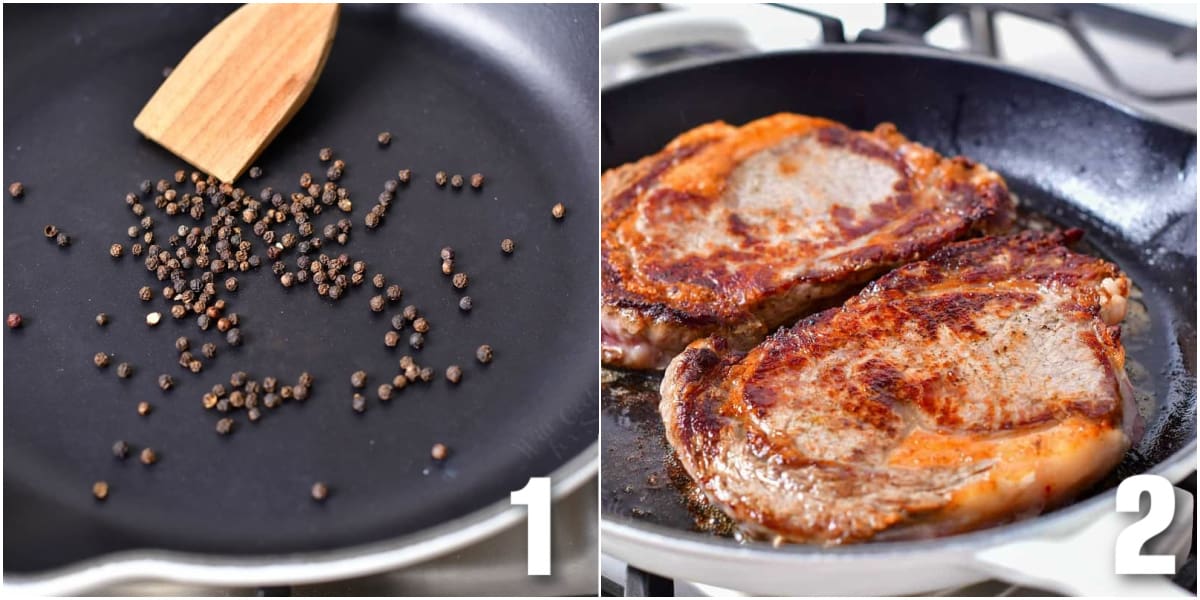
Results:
[1073, 158]
[503, 90]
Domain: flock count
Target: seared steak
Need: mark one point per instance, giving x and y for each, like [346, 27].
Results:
[737, 230]
[984, 384]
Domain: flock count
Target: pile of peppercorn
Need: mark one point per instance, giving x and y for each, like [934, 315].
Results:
[198, 263]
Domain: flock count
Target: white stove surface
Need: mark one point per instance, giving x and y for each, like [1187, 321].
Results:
[1023, 42]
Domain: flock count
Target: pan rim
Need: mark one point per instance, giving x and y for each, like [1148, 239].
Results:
[686, 542]
[913, 51]
[297, 568]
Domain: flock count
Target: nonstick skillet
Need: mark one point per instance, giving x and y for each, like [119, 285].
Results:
[1071, 156]
[504, 90]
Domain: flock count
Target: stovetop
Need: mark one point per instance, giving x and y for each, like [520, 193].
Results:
[1144, 56]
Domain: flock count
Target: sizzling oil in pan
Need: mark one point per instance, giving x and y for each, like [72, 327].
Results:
[643, 479]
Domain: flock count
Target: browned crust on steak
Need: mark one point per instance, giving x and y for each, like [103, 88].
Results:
[663, 286]
[981, 385]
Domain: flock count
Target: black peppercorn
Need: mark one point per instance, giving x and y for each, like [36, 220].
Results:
[359, 403]
[319, 491]
[120, 449]
[255, 172]
[412, 372]
[385, 392]
[453, 374]
[465, 303]
[377, 303]
[209, 350]
[124, 370]
[224, 426]
[394, 293]
[358, 379]
[410, 312]
[405, 175]
[415, 340]
[456, 181]
[460, 280]
[234, 337]
[427, 374]
[391, 339]
[398, 322]
[165, 382]
[484, 354]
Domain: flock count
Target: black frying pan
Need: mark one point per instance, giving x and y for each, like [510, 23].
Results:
[1078, 159]
[506, 90]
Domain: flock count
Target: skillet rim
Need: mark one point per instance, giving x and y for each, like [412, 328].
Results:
[1176, 467]
[296, 568]
[934, 54]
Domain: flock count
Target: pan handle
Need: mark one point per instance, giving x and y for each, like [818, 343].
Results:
[622, 43]
[1080, 563]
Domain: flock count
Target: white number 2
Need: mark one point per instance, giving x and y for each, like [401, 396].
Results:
[1129, 557]
[536, 495]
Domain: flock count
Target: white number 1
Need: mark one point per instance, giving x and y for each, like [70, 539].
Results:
[1129, 557]
[536, 495]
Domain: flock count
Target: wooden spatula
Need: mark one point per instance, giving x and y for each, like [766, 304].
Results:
[238, 87]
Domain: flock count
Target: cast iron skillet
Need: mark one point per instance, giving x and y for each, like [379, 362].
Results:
[1083, 161]
[505, 90]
